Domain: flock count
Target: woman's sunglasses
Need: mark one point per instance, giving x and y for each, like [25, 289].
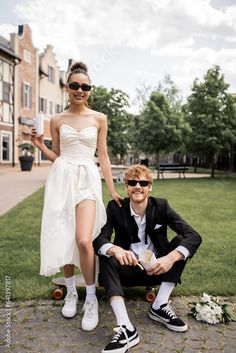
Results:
[142, 183]
[75, 86]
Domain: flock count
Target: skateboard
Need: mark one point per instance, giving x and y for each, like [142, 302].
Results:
[60, 290]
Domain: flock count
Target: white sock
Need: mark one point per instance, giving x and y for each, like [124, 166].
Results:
[90, 292]
[70, 284]
[120, 311]
[163, 294]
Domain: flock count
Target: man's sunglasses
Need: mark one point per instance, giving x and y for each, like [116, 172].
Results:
[75, 85]
[135, 182]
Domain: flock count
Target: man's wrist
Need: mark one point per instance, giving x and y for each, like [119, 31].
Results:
[111, 251]
[103, 249]
[176, 255]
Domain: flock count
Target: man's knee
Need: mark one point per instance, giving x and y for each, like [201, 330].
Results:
[109, 276]
[175, 273]
[107, 268]
[107, 263]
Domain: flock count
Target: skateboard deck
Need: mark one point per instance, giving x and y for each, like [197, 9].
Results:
[60, 290]
[60, 281]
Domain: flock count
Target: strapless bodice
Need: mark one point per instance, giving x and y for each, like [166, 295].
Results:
[78, 147]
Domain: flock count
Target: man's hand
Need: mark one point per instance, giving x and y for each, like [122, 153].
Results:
[165, 263]
[125, 257]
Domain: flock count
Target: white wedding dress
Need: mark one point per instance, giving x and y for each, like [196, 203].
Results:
[73, 177]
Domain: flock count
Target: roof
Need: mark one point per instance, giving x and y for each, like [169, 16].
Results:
[5, 47]
[42, 72]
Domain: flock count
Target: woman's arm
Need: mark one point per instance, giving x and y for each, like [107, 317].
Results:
[104, 160]
[38, 141]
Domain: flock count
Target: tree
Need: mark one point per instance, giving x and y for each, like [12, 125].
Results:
[211, 114]
[143, 93]
[171, 92]
[158, 129]
[113, 103]
[165, 86]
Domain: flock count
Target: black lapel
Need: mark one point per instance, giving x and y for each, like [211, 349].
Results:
[150, 213]
[130, 224]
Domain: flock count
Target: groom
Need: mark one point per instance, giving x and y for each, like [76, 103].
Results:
[141, 224]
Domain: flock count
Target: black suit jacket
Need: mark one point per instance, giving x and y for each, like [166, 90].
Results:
[158, 212]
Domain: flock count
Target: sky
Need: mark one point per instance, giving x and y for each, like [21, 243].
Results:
[126, 43]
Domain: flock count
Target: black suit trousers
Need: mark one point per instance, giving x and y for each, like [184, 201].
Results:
[113, 276]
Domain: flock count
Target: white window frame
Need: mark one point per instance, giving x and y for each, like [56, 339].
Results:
[51, 106]
[51, 74]
[2, 134]
[58, 108]
[43, 105]
[8, 85]
[27, 56]
[28, 102]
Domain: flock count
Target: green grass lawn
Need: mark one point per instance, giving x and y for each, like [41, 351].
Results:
[208, 205]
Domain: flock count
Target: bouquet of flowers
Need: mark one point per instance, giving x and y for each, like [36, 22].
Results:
[210, 310]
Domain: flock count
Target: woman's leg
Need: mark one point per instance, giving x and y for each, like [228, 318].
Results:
[69, 309]
[70, 278]
[69, 271]
[85, 218]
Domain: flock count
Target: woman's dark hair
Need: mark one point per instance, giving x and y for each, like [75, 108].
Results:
[78, 68]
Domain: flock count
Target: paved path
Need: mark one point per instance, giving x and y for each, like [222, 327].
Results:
[16, 185]
[38, 327]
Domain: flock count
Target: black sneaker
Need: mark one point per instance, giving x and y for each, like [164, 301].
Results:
[122, 340]
[166, 316]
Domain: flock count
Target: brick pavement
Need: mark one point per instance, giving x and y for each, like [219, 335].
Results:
[38, 327]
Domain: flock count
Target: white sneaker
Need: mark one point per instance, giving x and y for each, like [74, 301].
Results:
[90, 318]
[69, 309]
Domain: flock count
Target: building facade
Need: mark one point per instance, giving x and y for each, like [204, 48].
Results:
[26, 84]
[51, 91]
[29, 83]
[8, 62]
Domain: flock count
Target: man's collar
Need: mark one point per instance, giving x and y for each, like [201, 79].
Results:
[132, 211]
[135, 214]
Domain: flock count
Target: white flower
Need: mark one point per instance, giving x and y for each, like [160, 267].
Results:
[206, 298]
[210, 310]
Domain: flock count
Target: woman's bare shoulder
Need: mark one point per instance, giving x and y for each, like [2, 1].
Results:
[95, 112]
[57, 119]
[98, 116]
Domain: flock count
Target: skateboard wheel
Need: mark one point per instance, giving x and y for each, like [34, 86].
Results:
[58, 294]
[150, 297]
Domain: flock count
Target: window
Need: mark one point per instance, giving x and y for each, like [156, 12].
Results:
[6, 147]
[50, 107]
[51, 74]
[6, 92]
[26, 95]
[43, 105]
[58, 108]
[27, 56]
